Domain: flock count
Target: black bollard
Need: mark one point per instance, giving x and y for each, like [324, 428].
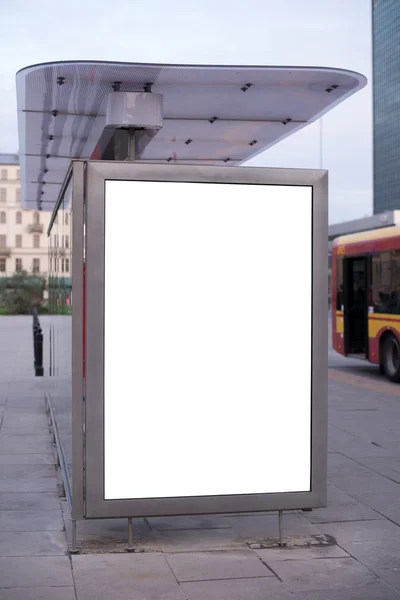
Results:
[37, 346]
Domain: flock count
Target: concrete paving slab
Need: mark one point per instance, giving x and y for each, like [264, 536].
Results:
[342, 507]
[21, 423]
[25, 400]
[29, 501]
[363, 531]
[38, 593]
[391, 577]
[358, 448]
[33, 409]
[258, 588]
[343, 466]
[388, 467]
[30, 571]
[23, 470]
[379, 500]
[377, 554]
[392, 513]
[201, 566]
[190, 540]
[26, 459]
[377, 590]
[29, 484]
[314, 552]
[133, 576]
[32, 543]
[189, 522]
[268, 525]
[23, 444]
[322, 574]
[356, 486]
[31, 520]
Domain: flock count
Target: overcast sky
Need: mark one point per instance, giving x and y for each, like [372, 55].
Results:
[329, 33]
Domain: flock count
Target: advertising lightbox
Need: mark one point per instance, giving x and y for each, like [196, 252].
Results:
[204, 391]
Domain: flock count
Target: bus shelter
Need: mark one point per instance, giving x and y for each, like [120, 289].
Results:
[178, 356]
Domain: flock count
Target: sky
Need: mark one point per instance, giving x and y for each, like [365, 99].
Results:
[324, 33]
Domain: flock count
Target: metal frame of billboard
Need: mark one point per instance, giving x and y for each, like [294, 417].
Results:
[87, 403]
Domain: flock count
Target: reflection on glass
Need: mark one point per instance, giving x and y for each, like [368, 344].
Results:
[60, 330]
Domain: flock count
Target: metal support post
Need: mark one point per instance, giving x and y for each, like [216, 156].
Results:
[131, 156]
[281, 528]
[130, 547]
[74, 549]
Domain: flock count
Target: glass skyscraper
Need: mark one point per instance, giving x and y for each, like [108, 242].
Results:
[386, 94]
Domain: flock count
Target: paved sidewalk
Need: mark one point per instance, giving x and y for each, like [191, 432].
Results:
[194, 558]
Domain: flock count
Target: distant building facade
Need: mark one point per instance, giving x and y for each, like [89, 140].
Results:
[386, 104]
[24, 245]
[23, 240]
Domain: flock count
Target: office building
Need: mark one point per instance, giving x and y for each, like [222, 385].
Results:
[386, 104]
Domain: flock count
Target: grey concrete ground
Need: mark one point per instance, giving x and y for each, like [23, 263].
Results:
[201, 557]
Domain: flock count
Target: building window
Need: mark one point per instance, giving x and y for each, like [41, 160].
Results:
[36, 241]
[18, 241]
[36, 265]
[66, 218]
[4, 174]
[18, 265]
[50, 264]
[56, 219]
[67, 265]
[18, 196]
[3, 196]
[18, 218]
[2, 217]
[36, 218]
[17, 174]
[67, 241]
[2, 265]
[3, 241]
[62, 265]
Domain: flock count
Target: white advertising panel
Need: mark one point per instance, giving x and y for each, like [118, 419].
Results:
[207, 339]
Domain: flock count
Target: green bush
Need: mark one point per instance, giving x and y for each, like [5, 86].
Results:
[20, 293]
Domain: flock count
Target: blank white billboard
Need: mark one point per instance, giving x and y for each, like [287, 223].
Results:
[208, 318]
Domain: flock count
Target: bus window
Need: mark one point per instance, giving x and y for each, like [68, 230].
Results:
[386, 282]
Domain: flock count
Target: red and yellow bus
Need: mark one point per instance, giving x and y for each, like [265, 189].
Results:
[366, 298]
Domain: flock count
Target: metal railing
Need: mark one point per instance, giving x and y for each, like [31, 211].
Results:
[60, 451]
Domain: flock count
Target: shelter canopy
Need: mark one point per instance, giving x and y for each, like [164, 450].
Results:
[212, 115]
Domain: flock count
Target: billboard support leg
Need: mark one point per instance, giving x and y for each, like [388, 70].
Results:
[281, 528]
[130, 547]
[74, 549]
[131, 150]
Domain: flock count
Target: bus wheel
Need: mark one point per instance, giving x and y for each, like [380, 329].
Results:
[391, 358]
